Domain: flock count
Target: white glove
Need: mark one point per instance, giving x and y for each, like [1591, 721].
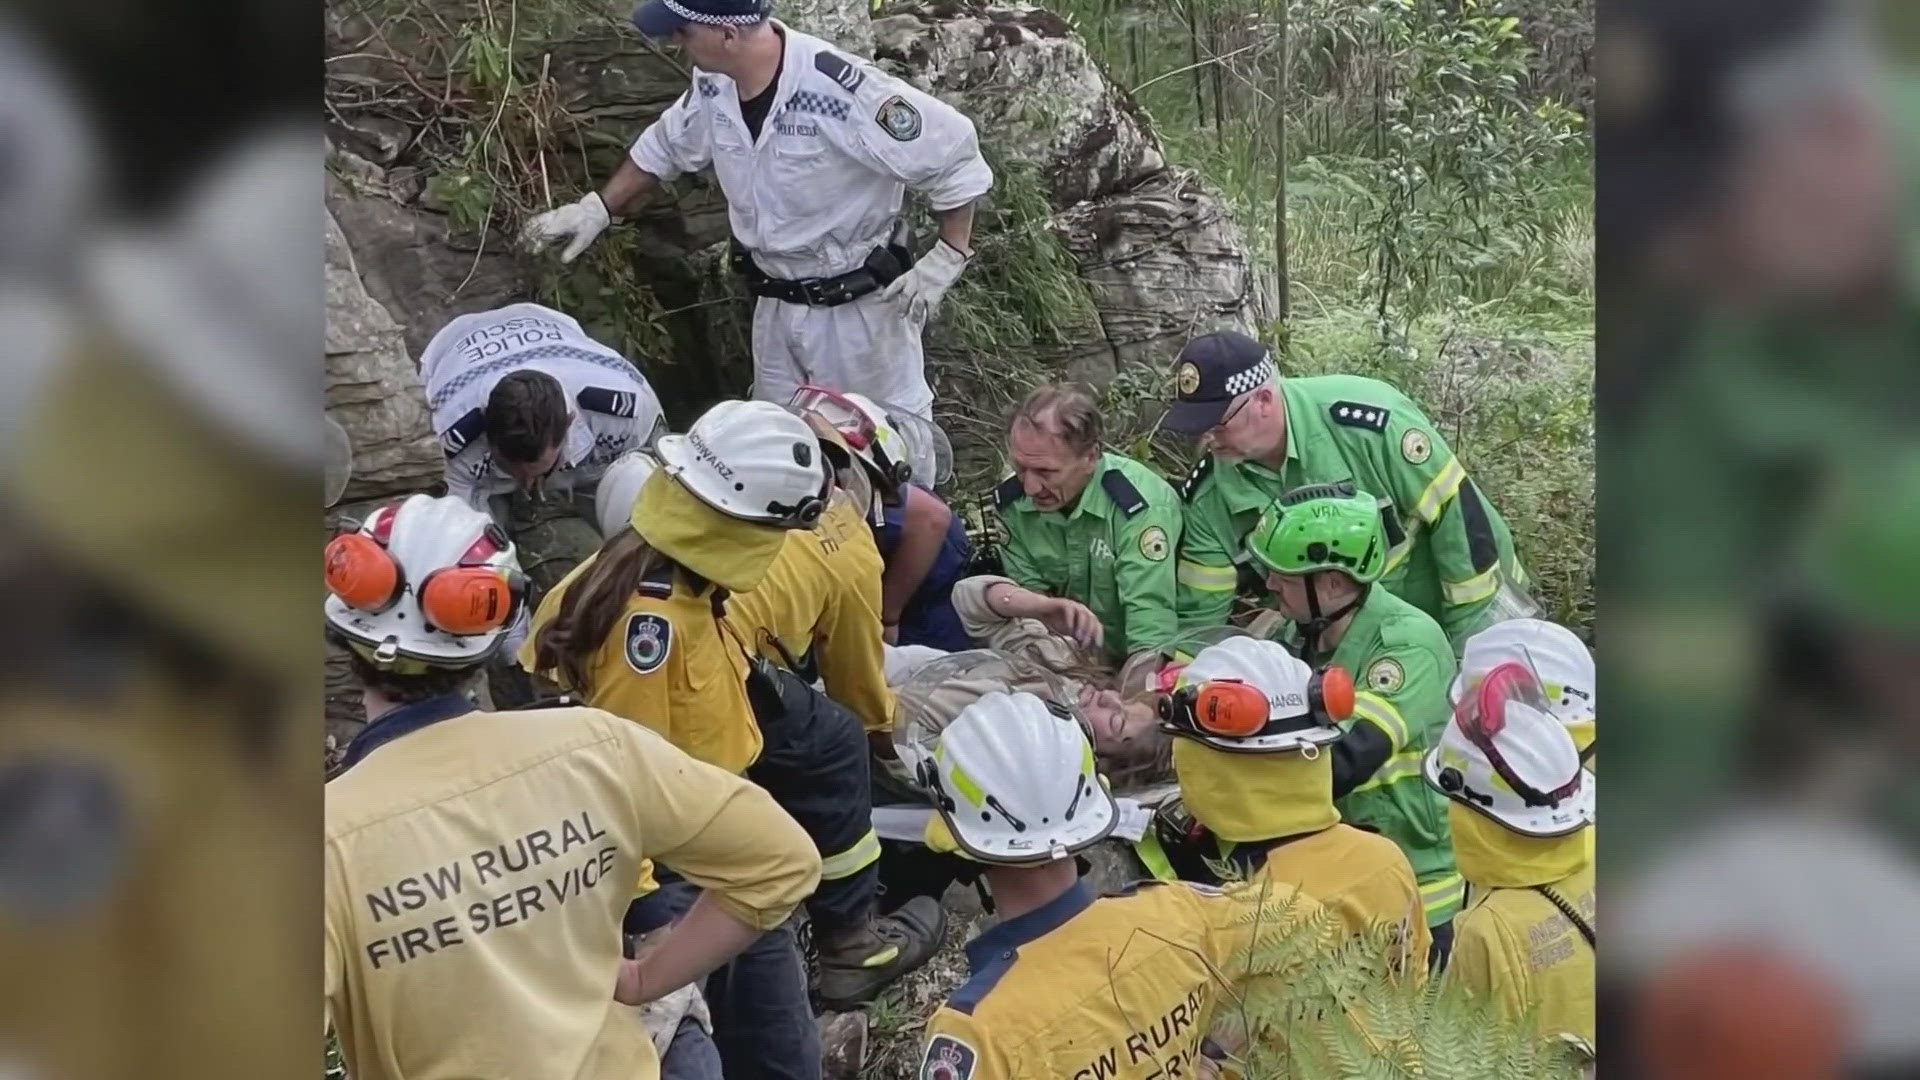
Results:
[920, 289]
[579, 223]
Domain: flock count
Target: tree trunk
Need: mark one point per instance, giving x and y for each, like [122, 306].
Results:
[1282, 281]
[1199, 76]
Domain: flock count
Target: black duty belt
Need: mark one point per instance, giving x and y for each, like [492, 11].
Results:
[883, 265]
[816, 292]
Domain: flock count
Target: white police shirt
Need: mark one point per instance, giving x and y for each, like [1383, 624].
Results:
[614, 408]
[822, 185]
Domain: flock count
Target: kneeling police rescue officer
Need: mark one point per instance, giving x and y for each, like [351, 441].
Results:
[477, 863]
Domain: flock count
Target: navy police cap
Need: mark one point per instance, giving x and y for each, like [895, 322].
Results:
[664, 18]
[1211, 372]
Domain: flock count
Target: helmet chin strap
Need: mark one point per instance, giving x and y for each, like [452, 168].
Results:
[1319, 622]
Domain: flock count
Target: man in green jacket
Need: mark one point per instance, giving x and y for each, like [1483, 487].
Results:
[1449, 552]
[1322, 549]
[1091, 526]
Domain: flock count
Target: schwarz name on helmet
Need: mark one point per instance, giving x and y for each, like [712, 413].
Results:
[705, 453]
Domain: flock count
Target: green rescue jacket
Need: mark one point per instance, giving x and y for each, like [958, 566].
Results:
[1112, 552]
[1449, 550]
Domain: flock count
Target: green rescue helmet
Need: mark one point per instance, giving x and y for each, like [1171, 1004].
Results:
[1321, 527]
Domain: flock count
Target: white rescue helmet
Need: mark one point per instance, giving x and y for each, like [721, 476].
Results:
[620, 488]
[425, 583]
[1556, 655]
[897, 446]
[1015, 784]
[1301, 711]
[1504, 755]
[751, 460]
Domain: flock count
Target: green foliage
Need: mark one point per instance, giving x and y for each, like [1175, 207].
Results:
[1515, 402]
[1439, 221]
[1020, 301]
[494, 145]
[1344, 1011]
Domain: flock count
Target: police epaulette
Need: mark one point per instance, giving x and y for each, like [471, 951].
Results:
[658, 580]
[1355, 414]
[1123, 493]
[1008, 492]
[1191, 485]
[612, 402]
[463, 432]
[839, 69]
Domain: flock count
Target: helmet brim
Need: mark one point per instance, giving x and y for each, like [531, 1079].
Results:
[1286, 742]
[1064, 839]
[1540, 822]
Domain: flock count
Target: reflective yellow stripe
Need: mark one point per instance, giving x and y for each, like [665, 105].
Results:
[1442, 893]
[1398, 767]
[1154, 857]
[1446, 484]
[1209, 578]
[1384, 716]
[1473, 589]
[864, 853]
[969, 790]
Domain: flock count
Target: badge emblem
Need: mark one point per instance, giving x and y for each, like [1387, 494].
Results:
[947, 1059]
[649, 640]
[1415, 446]
[1153, 544]
[899, 119]
[1187, 379]
[1386, 676]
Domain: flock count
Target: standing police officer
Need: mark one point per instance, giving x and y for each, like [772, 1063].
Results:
[1449, 551]
[1096, 528]
[814, 151]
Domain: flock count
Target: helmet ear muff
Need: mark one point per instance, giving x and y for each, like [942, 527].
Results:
[363, 573]
[468, 600]
[1230, 709]
[1331, 693]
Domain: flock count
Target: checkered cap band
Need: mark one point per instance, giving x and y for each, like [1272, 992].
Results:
[691, 15]
[1251, 379]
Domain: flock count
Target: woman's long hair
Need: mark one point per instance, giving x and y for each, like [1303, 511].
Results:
[591, 607]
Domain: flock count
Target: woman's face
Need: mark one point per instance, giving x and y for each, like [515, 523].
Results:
[1119, 727]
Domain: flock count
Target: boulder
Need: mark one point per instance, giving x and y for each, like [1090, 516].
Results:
[846, 23]
[1031, 88]
[1164, 261]
[404, 257]
[372, 389]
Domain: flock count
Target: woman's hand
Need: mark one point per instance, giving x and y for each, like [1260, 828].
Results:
[1073, 619]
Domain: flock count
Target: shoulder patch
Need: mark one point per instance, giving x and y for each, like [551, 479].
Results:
[649, 640]
[1195, 478]
[1153, 544]
[464, 431]
[899, 119]
[1008, 492]
[612, 402]
[658, 581]
[1415, 446]
[947, 1058]
[1386, 676]
[1122, 492]
[1355, 414]
[839, 69]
